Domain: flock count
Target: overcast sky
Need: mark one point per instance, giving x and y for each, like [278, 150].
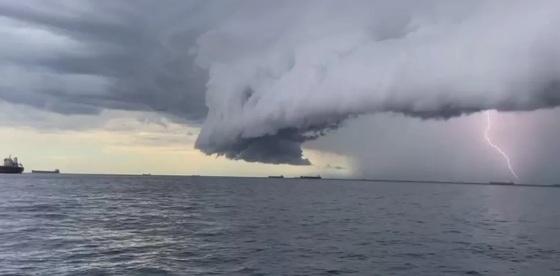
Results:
[392, 89]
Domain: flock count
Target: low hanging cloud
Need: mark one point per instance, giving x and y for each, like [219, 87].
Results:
[302, 68]
[264, 77]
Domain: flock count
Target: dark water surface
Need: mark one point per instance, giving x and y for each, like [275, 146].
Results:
[125, 225]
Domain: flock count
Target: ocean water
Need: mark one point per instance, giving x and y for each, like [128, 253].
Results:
[133, 225]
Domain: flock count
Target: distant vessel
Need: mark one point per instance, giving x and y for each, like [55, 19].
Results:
[311, 177]
[38, 171]
[276, 176]
[146, 174]
[11, 165]
[501, 183]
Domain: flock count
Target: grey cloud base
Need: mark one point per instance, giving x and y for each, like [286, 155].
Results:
[281, 148]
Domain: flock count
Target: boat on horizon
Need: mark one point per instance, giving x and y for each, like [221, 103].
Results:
[11, 166]
[311, 177]
[56, 171]
[276, 176]
[501, 183]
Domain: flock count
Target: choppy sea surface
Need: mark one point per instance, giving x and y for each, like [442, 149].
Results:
[150, 225]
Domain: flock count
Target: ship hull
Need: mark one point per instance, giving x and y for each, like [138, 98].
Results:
[46, 172]
[11, 170]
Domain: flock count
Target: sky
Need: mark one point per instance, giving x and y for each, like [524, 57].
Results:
[376, 89]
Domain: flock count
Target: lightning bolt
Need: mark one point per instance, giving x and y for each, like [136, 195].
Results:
[496, 147]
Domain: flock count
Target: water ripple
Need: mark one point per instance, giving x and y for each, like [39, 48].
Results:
[116, 225]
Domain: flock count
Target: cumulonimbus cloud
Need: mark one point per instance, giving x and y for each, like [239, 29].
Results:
[266, 76]
[277, 79]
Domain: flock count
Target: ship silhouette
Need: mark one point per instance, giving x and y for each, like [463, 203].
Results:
[12, 166]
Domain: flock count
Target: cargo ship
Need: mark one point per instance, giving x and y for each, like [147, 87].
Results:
[311, 177]
[38, 171]
[501, 183]
[11, 165]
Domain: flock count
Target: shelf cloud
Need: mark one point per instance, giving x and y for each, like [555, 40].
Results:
[291, 72]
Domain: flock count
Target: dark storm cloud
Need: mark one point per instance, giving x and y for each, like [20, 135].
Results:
[281, 148]
[321, 62]
[141, 51]
[269, 75]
